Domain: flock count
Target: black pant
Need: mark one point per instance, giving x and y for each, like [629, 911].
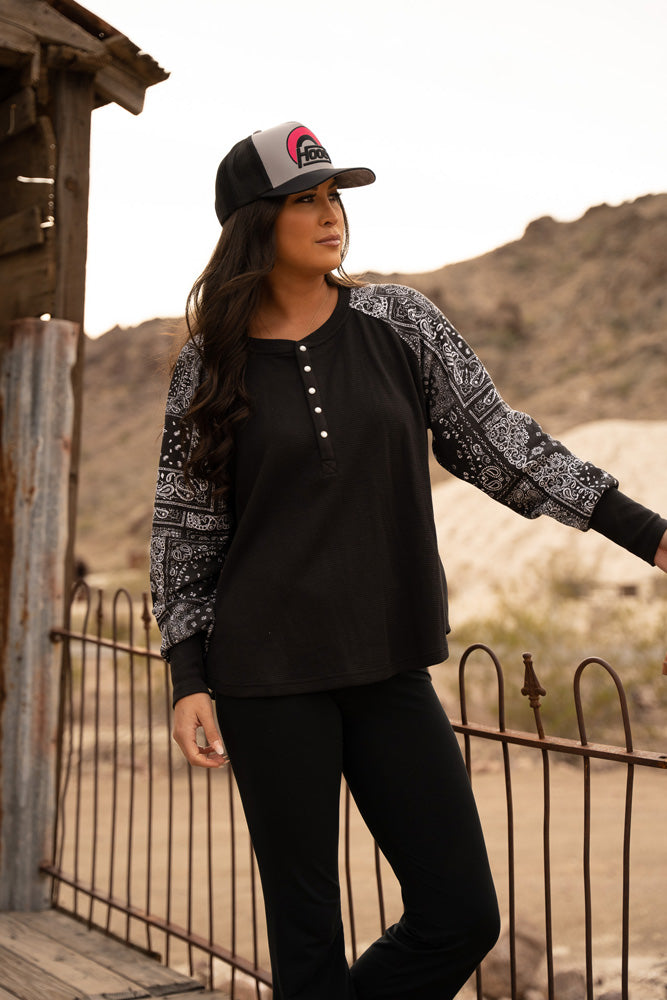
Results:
[400, 757]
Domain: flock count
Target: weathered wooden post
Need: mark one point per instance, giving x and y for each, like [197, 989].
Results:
[37, 407]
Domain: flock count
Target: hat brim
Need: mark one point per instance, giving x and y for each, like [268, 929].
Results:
[347, 178]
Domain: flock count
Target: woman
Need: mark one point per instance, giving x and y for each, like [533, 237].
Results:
[296, 574]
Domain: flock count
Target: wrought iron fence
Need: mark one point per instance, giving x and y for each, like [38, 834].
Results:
[158, 854]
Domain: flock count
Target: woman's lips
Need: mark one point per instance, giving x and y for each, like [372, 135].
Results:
[330, 241]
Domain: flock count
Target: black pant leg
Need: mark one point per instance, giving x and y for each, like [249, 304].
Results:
[404, 767]
[405, 770]
[286, 754]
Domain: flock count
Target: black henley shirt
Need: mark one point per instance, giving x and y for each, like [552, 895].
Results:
[321, 569]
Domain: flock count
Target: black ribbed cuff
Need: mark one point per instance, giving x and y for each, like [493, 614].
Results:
[629, 524]
[186, 660]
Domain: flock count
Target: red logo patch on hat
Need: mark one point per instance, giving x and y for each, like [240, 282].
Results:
[305, 149]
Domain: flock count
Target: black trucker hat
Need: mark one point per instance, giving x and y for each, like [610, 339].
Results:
[278, 161]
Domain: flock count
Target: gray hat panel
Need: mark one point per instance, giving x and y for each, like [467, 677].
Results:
[288, 151]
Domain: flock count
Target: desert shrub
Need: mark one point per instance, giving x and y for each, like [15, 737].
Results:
[567, 619]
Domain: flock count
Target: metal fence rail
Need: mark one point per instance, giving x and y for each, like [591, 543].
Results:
[548, 746]
[158, 854]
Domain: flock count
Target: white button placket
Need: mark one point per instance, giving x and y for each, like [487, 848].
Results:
[315, 403]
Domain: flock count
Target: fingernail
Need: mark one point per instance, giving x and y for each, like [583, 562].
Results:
[217, 746]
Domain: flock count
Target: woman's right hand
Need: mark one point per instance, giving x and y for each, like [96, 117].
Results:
[191, 713]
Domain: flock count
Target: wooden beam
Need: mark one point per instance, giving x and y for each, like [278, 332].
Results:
[36, 407]
[68, 57]
[118, 85]
[72, 110]
[73, 99]
[15, 36]
[17, 112]
[83, 17]
[139, 63]
[30, 155]
[19, 47]
[20, 231]
[47, 25]
[28, 276]
[27, 283]
[15, 44]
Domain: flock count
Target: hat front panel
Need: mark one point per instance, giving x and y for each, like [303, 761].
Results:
[290, 152]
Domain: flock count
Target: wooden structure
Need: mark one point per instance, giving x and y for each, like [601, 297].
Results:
[58, 62]
[52, 955]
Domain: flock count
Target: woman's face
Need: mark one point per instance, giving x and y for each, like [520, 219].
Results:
[309, 232]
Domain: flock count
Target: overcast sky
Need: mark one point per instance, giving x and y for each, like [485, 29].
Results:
[477, 117]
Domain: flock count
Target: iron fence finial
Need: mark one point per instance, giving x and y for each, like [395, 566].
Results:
[533, 690]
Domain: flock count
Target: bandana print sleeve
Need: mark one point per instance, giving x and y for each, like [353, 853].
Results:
[476, 435]
[191, 528]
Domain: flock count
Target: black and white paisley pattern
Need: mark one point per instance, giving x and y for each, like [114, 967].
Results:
[192, 529]
[185, 380]
[476, 435]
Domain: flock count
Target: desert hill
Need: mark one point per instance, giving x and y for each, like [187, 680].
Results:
[571, 320]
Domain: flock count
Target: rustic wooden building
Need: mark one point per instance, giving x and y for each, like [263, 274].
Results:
[58, 62]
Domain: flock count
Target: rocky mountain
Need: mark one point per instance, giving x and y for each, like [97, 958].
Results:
[571, 320]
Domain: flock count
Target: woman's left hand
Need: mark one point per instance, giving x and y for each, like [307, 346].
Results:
[661, 554]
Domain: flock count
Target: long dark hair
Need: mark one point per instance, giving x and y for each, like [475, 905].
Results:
[218, 312]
